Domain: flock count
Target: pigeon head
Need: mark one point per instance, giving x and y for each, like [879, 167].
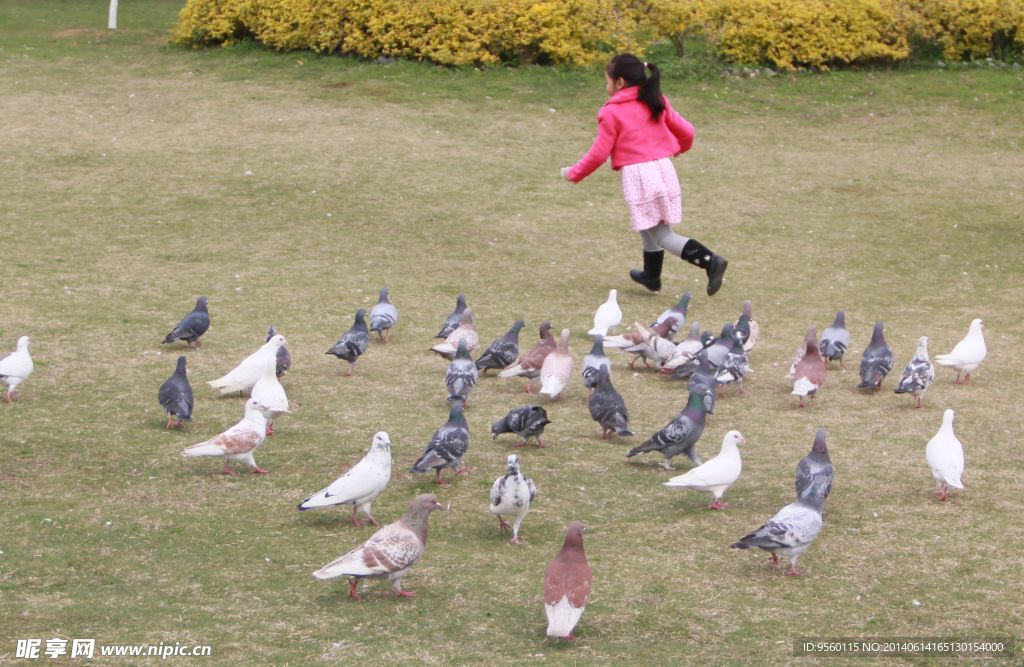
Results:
[820, 445]
[180, 368]
[383, 298]
[748, 309]
[381, 442]
[23, 344]
[947, 418]
[360, 318]
[460, 303]
[201, 304]
[277, 340]
[574, 536]
[878, 335]
[563, 342]
[612, 295]
[467, 316]
[271, 332]
[252, 405]
[513, 464]
[418, 515]
[976, 327]
[694, 331]
[684, 302]
[517, 325]
[922, 346]
[545, 329]
[734, 438]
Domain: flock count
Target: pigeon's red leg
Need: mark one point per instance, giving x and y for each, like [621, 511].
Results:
[516, 540]
[801, 401]
[373, 521]
[502, 526]
[270, 428]
[967, 378]
[528, 387]
[775, 562]
[918, 406]
[406, 594]
[462, 471]
[520, 444]
[540, 445]
[227, 470]
[352, 590]
[717, 505]
[633, 362]
[351, 370]
[793, 572]
[7, 397]
[256, 470]
[170, 421]
[604, 433]
[355, 520]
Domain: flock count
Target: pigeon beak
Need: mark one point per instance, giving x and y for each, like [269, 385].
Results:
[448, 508]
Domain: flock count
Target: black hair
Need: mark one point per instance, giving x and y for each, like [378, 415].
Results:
[633, 71]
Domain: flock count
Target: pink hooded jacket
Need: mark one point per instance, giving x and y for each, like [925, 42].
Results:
[626, 131]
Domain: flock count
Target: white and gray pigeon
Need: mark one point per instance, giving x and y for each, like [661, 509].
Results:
[360, 484]
[175, 396]
[269, 394]
[945, 456]
[835, 339]
[676, 315]
[684, 358]
[734, 367]
[511, 495]
[238, 442]
[454, 319]
[747, 330]
[461, 376]
[353, 343]
[284, 357]
[608, 315]
[608, 408]
[527, 422]
[919, 373]
[503, 352]
[716, 474]
[968, 354]
[593, 361]
[680, 435]
[876, 362]
[242, 377]
[383, 316]
[192, 326]
[816, 465]
[792, 529]
[447, 446]
[15, 367]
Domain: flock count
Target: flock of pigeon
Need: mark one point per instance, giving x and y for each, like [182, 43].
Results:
[708, 363]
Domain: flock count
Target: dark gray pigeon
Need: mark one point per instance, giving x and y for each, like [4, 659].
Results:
[284, 358]
[461, 375]
[835, 339]
[383, 316]
[447, 446]
[593, 361]
[705, 381]
[676, 314]
[503, 352]
[353, 342]
[680, 435]
[175, 396]
[527, 422]
[192, 326]
[817, 464]
[876, 362]
[607, 407]
[455, 319]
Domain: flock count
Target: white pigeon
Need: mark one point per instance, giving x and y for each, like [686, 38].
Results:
[557, 368]
[238, 442]
[608, 315]
[511, 495]
[716, 474]
[269, 394]
[968, 354]
[945, 457]
[15, 368]
[361, 484]
[243, 376]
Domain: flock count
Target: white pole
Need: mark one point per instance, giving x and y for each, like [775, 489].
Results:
[112, 19]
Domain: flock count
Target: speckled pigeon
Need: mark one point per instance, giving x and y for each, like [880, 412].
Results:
[461, 375]
[527, 422]
[447, 446]
[919, 374]
[593, 361]
[503, 352]
[511, 495]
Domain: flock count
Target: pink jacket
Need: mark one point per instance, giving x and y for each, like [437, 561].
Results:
[626, 132]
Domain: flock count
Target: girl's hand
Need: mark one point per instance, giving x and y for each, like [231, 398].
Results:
[564, 171]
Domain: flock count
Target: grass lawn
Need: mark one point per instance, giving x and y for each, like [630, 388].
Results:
[288, 188]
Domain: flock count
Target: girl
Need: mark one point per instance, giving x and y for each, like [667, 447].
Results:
[641, 131]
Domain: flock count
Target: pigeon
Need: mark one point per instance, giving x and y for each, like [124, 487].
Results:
[15, 367]
[876, 362]
[503, 352]
[608, 315]
[592, 362]
[809, 371]
[968, 354]
[360, 484]
[557, 368]
[567, 582]
[527, 422]
[511, 495]
[284, 357]
[466, 332]
[734, 367]
[817, 464]
[454, 319]
[635, 342]
[716, 474]
[175, 396]
[461, 375]
[798, 354]
[705, 381]
[270, 396]
[835, 339]
[529, 364]
[747, 329]
[243, 376]
[353, 343]
[684, 358]
[721, 346]
[792, 529]
[192, 326]
[919, 374]
[607, 407]
[659, 348]
[680, 435]
[383, 316]
[676, 315]
[446, 447]
[390, 552]
[945, 455]
[238, 442]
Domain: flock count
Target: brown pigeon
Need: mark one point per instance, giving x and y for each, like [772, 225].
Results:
[390, 552]
[567, 584]
[530, 363]
[809, 370]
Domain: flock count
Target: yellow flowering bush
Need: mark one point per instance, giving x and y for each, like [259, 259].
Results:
[968, 29]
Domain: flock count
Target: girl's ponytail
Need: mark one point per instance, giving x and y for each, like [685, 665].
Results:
[650, 92]
[634, 72]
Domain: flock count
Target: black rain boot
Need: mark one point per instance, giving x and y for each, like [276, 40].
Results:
[698, 254]
[650, 277]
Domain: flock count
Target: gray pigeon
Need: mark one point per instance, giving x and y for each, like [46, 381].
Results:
[175, 396]
[593, 361]
[680, 435]
[835, 339]
[461, 375]
[817, 464]
[447, 446]
[192, 326]
[383, 316]
[705, 381]
[607, 407]
[527, 422]
[284, 358]
[734, 367]
[721, 346]
[454, 319]
[919, 373]
[503, 352]
[353, 342]
[876, 362]
[676, 314]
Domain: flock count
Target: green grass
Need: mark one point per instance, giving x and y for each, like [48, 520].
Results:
[289, 188]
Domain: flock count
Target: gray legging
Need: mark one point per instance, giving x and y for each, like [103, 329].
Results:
[661, 236]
